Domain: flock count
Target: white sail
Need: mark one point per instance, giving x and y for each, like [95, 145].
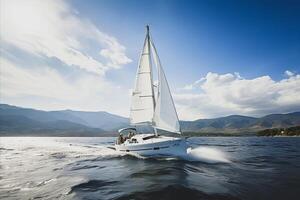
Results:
[165, 115]
[142, 103]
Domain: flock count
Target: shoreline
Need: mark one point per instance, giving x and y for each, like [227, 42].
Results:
[47, 136]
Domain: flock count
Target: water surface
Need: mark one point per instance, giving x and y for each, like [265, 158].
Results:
[83, 168]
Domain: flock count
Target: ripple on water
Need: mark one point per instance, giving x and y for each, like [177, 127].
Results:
[59, 168]
[151, 173]
[175, 192]
[5, 149]
[46, 182]
[91, 186]
[87, 167]
[58, 155]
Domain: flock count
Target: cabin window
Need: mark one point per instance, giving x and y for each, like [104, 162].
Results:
[149, 137]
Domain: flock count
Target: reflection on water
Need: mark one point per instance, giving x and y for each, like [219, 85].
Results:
[214, 168]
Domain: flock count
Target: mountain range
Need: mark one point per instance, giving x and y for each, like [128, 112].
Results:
[25, 121]
[237, 124]
[17, 121]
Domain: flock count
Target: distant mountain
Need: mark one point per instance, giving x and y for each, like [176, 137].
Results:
[17, 120]
[42, 116]
[14, 125]
[232, 121]
[279, 120]
[24, 121]
[103, 120]
[241, 124]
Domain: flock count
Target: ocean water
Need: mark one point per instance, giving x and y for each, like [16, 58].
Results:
[215, 168]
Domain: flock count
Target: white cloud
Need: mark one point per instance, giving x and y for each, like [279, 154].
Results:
[198, 83]
[224, 94]
[194, 85]
[289, 73]
[51, 28]
[45, 88]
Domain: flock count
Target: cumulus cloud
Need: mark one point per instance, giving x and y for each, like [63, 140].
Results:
[194, 85]
[289, 73]
[45, 88]
[52, 28]
[224, 94]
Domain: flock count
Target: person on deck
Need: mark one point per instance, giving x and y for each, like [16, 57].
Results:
[121, 139]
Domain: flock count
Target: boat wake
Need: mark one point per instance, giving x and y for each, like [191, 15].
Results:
[197, 154]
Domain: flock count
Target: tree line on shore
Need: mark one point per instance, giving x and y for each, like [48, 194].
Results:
[291, 131]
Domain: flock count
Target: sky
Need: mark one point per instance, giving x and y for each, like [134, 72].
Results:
[221, 57]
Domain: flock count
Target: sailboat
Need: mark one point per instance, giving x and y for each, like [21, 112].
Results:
[151, 105]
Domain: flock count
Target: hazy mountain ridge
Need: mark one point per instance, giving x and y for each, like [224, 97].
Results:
[241, 124]
[232, 121]
[16, 125]
[24, 121]
[38, 115]
[103, 120]
[33, 120]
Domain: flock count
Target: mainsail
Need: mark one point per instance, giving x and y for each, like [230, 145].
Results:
[142, 103]
[159, 112]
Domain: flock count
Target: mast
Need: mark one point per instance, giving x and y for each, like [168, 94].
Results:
[149, 50]
[151, 70]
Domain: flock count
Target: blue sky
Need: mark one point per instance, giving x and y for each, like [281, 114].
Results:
[220, 57]
[251, 37]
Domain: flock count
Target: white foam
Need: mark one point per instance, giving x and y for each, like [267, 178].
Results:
[206, 154]
[53, 146]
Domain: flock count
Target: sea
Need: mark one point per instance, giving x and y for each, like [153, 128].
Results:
[218, 168]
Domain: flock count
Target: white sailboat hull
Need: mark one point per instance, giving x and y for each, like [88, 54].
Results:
[154, 147]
